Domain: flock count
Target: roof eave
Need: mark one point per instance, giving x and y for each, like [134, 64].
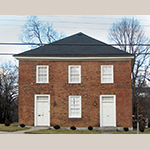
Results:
[75, 58]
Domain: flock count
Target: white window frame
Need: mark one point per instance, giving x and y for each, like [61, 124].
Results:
[114, 101]
[35, 107]
[69, 78]
[37, 79]
[69, 105]
[112, 72]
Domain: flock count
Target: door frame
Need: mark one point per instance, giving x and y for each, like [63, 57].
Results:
[35, 108]
[101, 119]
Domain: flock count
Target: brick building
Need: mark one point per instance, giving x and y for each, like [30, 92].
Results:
[76, 81]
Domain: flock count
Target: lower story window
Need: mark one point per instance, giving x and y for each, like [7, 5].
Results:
[74, 106]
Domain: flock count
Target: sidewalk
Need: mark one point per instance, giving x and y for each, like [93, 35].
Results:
[23, 131]
[107, 132]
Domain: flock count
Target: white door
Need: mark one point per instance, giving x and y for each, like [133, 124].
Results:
[107, 111]
[42, 110]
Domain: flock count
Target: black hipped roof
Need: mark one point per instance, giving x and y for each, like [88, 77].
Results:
[77, 45]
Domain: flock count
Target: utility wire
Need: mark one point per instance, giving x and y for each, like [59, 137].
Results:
[20, 44]
[111, 53]
[76, 44]
[6, 53]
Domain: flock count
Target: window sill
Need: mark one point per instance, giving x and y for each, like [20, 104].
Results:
[74, 83]
[74, 117]
[42, 83]
[107, 83]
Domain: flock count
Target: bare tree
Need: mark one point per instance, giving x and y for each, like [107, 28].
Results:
[129, 35]
[8, 91]
[35, 31]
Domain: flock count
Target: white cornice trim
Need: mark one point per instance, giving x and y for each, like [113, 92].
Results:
[74, 58]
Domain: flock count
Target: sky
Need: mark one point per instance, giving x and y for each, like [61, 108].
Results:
[96, 26]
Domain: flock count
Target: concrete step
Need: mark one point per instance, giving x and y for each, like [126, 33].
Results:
[108, 129]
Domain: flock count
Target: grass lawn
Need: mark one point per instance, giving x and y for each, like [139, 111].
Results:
[50, 131]
[11, 128]
[147, 131]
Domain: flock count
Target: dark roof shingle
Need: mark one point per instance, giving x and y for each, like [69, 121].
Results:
[78, 45]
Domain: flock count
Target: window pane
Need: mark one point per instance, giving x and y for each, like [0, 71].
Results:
[40, 98]
[108, 98]
[42, 78]
[74, 78]
[106, 70]
[42, 70]
[74, 70]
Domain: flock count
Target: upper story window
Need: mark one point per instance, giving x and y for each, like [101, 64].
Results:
[74, 106]
[42, 74]
[74, 73]
[107, 74]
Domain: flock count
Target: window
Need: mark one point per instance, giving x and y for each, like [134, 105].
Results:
[107, 74]
[107, 98]
[74, 106]
[42, 74]
[42, 98]
[74, 74]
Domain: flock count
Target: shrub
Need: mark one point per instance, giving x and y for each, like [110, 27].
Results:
[126, 129]
[56, 127]
[90, 128]
[7, 122]
[22, 125]
[73, 128]
[142, 128]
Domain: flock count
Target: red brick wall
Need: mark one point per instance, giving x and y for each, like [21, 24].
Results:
[90, 89]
